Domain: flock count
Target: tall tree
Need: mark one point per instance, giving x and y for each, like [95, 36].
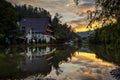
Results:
[8, 20]
[63, 31]
[30, 11]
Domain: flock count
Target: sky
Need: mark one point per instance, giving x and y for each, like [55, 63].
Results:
[73, 15]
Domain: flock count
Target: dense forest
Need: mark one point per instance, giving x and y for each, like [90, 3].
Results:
[23, 11]
[10, 15]
[108, 35]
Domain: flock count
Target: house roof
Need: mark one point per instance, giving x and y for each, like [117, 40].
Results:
[36, 24]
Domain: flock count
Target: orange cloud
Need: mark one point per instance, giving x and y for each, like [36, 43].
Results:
[72, 13]
[81, 29]
[84, 9]
[79, 25]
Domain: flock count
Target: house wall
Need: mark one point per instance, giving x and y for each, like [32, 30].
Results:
[36, 37]
[29, 36]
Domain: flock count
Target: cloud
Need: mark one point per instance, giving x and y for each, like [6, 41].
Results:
[79, 22]
[82, 2]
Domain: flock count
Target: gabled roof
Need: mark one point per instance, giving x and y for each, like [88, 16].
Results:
[37, 24]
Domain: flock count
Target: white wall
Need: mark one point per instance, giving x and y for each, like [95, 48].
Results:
[38, 36]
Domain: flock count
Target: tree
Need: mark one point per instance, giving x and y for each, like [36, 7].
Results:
[58, 28]
[105, 10]
[8, 20]
[63, 31]
[30, 11]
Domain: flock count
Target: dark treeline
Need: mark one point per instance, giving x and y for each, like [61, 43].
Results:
[10, 15]
[8, 21]
[108, 35]
[30, 11]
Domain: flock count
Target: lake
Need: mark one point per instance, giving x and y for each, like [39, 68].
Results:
[58, 62]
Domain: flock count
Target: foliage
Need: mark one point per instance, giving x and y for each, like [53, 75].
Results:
[105, 9]
[8, 20]
[30, 11]
[108, 35]
[63, 31]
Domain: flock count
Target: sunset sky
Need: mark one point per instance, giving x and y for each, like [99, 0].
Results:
[72, 14]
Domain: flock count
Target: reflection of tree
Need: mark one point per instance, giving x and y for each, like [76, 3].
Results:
[62, 54]
[102, 51]
[10, 61]
[108, 54]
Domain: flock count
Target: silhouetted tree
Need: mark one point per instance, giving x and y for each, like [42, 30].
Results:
[105, 9]
[63, 31]
[8, 20]
[30, 11]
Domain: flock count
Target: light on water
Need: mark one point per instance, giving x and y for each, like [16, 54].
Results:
[92, 57]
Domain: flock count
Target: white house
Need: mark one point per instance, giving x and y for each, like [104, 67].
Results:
[36, 29]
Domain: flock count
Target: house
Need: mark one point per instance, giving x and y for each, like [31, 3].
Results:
[36, 29]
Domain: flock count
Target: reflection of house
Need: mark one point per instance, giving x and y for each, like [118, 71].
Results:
[37, 65]
[36, 62]
[36, 29]
[37, 52]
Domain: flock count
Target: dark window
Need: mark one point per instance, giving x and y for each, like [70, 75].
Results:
[23, 28]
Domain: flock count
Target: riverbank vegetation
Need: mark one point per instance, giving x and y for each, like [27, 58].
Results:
[23, 11]
[107, 35]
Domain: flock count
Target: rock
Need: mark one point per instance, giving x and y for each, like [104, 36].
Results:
[116, 73]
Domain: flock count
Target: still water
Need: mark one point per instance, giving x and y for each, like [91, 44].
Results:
[61, 62]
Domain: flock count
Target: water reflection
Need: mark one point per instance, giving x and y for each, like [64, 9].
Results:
[38, 51]
[21, 62]
[10, 61]
[106, 53]
[85, 66]
[56, 62]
